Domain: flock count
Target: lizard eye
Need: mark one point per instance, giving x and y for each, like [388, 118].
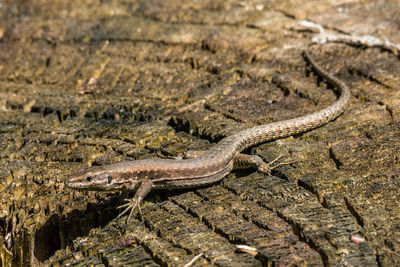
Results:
[109, 179]
[89, 179]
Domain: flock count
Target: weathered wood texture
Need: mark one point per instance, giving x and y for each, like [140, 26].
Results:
[94, 82]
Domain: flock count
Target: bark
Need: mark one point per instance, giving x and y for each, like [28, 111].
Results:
[97, 82]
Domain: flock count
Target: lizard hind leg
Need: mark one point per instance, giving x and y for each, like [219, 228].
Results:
[242, 161]
[144, 188]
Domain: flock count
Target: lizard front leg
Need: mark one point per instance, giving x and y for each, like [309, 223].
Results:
[143, 189]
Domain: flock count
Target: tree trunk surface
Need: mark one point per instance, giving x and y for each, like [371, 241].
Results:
[85, 83]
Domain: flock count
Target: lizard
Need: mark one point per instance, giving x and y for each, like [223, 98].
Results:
[209, 166]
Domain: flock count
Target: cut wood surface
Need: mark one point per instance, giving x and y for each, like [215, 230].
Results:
[85, 83]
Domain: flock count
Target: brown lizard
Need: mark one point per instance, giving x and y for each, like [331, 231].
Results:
[211, 165]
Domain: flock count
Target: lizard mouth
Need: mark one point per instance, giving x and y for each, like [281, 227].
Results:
[70, 183]
[88, 183]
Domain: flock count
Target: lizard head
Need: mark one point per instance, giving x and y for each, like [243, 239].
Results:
[94, 178]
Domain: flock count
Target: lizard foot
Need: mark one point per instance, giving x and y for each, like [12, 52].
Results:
[270, 166]
[130, 206]
[143, 189]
